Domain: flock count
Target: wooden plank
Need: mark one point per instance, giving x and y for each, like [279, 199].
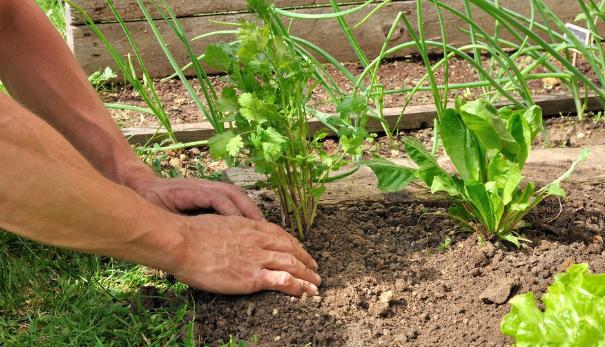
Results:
[415, 117]
[92, 55]
[100, 12]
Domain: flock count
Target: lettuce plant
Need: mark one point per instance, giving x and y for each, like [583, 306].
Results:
[266, 102]
[488, 148]
[574, 312]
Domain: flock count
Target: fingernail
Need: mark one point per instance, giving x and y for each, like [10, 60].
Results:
[314, 290]
[315, 265]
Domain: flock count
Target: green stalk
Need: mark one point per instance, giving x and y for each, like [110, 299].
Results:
[353, 42]
[504, 16]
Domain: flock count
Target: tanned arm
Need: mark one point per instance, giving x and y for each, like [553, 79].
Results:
[51, 194]
[82, 199]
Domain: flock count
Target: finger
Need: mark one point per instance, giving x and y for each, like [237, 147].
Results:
[279, 261]
[285, 242]
[242, 201]
[223, 205]
[286, 283]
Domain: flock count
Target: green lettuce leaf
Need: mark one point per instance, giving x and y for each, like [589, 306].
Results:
[574, 312]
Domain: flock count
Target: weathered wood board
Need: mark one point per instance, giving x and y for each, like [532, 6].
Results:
[92, 55]
[100, 12]
[415, 117]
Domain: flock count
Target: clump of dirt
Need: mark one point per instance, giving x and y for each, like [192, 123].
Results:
[389, 279]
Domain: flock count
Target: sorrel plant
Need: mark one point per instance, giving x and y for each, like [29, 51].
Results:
[488, 148]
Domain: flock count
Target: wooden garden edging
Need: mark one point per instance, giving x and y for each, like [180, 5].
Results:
[415, 117]
[199, 17]
[362, 185]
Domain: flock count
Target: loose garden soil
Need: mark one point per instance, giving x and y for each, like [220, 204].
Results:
[387, 282]
[402, 274]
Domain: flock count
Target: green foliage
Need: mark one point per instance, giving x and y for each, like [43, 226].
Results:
[488, 148]
[574, 312]
[53, 297]
[100, 80]
[269, 85]
[55, 12]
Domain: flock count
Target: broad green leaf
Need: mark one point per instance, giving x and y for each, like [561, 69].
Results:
[253, 40]
[533, 116]
[235, 145]
[482, 119]
[218, 57]
[512, 239]
[220, 144]
[227, 102]
[506, 175]
[352, 105]
[461, 145]
[273, 136]
[497, 209]
[513, 180]
[252, 108]
[428, 170]
[521, 202]
[479, 198]
[391, 177]
[555, 189]
[461, 216]
[574, 313]
[521, 132]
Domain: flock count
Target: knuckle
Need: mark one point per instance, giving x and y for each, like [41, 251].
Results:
[284, 280]
[258, 280]
[291, 261]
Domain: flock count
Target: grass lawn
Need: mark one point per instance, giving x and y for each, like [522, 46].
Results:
[52, 297]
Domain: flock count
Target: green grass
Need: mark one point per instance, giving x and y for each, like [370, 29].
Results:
[54, 297]
[54, 11]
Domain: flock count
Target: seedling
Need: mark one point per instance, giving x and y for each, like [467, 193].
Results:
[488, 148]
[269, 87]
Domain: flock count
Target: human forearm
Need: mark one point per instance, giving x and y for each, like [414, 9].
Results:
[40, 72]
[50, 193]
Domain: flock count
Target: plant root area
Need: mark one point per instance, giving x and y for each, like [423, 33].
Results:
[398, 274]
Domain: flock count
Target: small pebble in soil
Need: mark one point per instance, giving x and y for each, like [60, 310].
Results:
[386, 297]
[304, 297]
[378, 309]
[499, 292]
[251, 309]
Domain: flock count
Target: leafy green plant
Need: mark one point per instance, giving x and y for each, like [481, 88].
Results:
[100, 79]
[574, 312]
[270, 85]
[488, 148]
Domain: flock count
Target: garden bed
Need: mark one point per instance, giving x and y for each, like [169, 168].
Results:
[393, 74]
[397, 272]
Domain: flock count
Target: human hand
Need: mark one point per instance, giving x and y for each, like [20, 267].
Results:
[235, 255]
[187, 194]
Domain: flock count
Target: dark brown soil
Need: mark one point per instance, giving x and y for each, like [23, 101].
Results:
[387, 283]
